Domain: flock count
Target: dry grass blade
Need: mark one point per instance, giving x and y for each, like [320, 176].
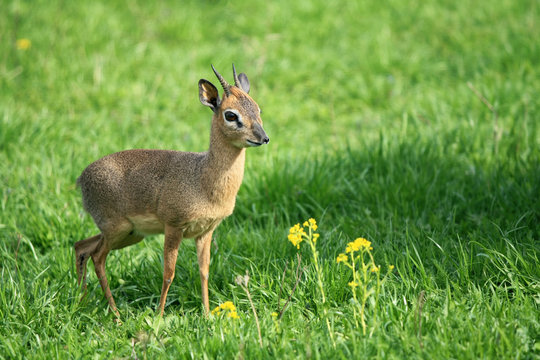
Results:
[243, 281]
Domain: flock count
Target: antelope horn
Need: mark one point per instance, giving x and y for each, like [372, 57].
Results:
[223, 82]
[236, 80]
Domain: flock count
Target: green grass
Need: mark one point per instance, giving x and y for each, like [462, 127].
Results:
[377, 128]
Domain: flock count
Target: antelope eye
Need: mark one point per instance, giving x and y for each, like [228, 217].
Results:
[230, 116]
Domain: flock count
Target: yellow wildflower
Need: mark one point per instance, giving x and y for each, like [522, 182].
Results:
[275, 314]
[359, 243]
[353, 284]
[342, 258]
[375, 268]
[391, 267]
[315, 237]
[352, 246]
[363, 243]
[310, 223]
[294, 229]
[23, 44]
[296, 234]
[216, 311]
[233, 315]
[295, 240]
[226, 306]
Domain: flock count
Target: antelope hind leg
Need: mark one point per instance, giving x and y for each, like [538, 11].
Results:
[173, 237]
[83, 251]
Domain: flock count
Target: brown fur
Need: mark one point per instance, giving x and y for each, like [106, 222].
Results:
[135, 193]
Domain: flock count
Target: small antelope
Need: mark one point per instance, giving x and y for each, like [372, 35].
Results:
[134, 193]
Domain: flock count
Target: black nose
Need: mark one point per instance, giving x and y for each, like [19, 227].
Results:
[266, 140]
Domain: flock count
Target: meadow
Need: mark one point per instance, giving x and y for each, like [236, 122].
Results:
[412, 125]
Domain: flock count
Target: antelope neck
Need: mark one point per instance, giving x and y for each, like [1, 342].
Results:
[224, 168]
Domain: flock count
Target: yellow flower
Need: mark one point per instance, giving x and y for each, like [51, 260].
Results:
[353, 284]
[313, 224]
[363, 243]
[233, 315]
[294, 229]
[227, 306]
[375, 268]
[295, 240]
[216, 311]
[359, 243]
[352, 246]
[274, 314]
[23, 44]
[391, 267]
[342, 258]
[315, 237]
[296, 235]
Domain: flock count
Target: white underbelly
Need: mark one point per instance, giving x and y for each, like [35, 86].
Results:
[147, 224]
[199, 227]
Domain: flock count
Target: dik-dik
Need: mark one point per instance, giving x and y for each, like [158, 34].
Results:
[134, 193]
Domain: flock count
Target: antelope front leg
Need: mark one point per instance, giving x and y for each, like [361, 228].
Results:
[173, 237]
[203, 256]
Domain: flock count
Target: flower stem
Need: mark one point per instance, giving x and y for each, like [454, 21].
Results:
[320, 283]
[364, 292]
[353, 288]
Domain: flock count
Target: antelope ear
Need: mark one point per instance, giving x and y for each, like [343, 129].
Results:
[244, 82]
[208, 94]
